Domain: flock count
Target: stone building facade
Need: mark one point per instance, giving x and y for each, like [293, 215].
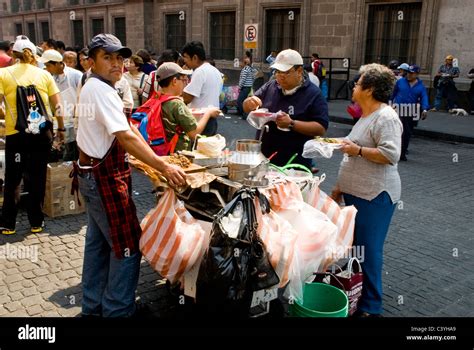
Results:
[417, 31]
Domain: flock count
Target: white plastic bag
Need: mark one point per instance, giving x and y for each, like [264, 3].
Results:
[316, 148]
[260, 117]
[211, 146]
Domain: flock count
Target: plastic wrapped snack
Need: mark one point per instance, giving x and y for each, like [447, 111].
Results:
[260, 117]
[321, 147]
[211, 146]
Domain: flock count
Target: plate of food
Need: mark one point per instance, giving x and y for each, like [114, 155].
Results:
[331, 140]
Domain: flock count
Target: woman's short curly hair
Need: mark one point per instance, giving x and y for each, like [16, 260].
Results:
[380, 79]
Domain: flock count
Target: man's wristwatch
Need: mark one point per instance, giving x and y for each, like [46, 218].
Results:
[61, 129]
[360, 151]
[292, 125]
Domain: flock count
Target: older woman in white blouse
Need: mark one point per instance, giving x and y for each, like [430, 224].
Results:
[368, 176]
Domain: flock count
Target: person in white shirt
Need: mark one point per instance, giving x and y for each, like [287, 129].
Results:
[312, 77]
[136, 79]
[206, 82]
[67, 80]
[111, 253]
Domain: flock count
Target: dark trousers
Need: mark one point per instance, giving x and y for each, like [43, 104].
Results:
[408, 126]
[371, 227]
[244, 92]
[25, 157]
[448, 90]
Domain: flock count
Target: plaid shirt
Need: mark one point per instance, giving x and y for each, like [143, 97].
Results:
[114, 184]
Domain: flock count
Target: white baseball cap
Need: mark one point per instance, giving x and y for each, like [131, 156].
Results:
[22, 42]
[286, 59]
[50, 55]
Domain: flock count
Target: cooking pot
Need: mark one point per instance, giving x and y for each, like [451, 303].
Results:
[247, 162]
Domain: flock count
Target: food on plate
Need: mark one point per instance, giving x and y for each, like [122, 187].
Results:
[179, 160]
[327, 139]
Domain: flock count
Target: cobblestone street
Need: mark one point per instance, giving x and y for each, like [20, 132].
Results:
[429, 258]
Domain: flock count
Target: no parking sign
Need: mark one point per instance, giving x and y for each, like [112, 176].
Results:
[250, 36]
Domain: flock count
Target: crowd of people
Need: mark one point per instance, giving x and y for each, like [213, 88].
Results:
[116, 82]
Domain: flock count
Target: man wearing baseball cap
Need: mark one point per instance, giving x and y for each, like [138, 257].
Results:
[111, 253]
[67, 79]
[303, 111]
[403, 69]
[446, 86]
[180, 125]
[411, 101]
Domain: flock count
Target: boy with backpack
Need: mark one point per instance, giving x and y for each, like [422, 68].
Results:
[179, 124]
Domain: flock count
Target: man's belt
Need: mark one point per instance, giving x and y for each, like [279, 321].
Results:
[85, 160]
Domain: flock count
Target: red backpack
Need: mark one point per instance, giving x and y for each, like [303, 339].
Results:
[148, 120]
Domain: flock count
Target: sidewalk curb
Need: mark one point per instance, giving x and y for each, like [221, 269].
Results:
[436, 135]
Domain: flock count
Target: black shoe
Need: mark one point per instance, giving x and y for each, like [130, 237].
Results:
[403, 159]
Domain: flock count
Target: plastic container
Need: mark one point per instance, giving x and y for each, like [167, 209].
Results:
[321, 300]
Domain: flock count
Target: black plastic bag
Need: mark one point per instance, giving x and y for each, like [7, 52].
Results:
[233, 268]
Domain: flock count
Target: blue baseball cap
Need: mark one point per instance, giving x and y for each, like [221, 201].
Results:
[110, 44]
[404, 66]
[414, 68]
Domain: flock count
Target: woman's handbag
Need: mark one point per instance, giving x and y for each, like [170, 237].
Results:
[349, 278]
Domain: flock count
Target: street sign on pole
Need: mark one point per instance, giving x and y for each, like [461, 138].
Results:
[250, 36]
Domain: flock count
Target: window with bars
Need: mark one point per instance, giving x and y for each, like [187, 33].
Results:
[392, 32]
[40, 4]
[78, 32]
[97, 26]
[120, 29]
[26, 5]
[175, 28]
[282, 29]
[15, 6]
[222, 35]
[18, 29]
[73, 2]
[31, 31]
[45, 30]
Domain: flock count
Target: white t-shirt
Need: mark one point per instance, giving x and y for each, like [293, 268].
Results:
[68, 84]
[205, 86]
[100, 114]
[313, 78]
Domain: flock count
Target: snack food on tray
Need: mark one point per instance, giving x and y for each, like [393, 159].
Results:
[179, 160]
[327, 139]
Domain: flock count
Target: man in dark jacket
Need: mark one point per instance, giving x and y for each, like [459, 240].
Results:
[304, 111]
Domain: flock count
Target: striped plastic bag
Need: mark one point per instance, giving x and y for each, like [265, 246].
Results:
[279, 239]
[315, 232]
[172, 240]
[343, 218]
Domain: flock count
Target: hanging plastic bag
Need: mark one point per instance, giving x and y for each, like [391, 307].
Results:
[343, 218]
[172, 240]
[235, 265]
[279, 238]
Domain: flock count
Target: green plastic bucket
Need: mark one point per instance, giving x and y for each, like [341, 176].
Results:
[321, 300]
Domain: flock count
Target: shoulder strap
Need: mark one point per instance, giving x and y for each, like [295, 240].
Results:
[141, 80]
